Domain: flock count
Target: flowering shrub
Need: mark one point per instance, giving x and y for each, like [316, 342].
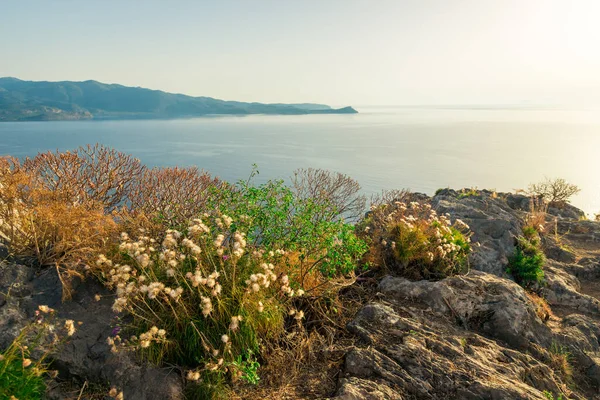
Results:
[413, 240]
[201, 298]
[22, 376]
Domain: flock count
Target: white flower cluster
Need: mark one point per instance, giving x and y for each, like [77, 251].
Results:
[437, 228]
[153, 335]
[211, 281]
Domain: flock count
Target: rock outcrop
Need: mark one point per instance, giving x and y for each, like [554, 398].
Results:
[86, 356]
[480, 335]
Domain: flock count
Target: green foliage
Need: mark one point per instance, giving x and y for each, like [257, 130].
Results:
[550, 396]
[18, 381]
[275, 217]
[468, 193]
[249, 368]
[526, 264]
[210, 386]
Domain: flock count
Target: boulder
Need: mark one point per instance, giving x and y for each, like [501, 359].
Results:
[478, 301]
[425, 357]
[86, 355]
[494, 225]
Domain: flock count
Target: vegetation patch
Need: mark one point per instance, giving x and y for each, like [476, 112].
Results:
[526, 264]
[409, 238]
[556, 192]
[23, 365]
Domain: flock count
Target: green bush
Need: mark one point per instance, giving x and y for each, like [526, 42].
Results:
[526, 264]
[277, 216]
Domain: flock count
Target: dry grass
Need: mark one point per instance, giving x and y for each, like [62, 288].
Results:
[560, 361]
[306, 364]
[536, 217]
[542, 309]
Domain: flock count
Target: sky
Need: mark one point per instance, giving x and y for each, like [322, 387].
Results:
[338, 52]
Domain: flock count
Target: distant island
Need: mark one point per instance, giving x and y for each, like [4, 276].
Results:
[57, 101]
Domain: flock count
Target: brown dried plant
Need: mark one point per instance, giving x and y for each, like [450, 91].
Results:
[175, 195]
[38, 224]
[89, 173]
[336, 190]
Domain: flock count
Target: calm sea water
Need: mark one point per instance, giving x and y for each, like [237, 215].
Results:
[383, 148]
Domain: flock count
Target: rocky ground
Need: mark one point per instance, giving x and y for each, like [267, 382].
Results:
[481, 336]
[476, 336]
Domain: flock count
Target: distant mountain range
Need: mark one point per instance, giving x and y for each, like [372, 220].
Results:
[48, 101]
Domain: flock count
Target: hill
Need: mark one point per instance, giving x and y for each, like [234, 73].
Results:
[44, 101]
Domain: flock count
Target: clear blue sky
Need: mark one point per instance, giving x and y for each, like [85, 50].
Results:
[340, 52]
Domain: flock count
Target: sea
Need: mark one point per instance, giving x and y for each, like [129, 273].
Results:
[416, 148]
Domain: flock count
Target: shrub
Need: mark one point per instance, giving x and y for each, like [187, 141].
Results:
[23, 365]
[276, 217]
[90, 173]
[554, 191]
[336, 193]
[39, 224]
[412, 240]
[526, 264]
[172, 195]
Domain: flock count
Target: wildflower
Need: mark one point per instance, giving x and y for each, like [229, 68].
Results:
[206, 306]
[143, 260]
[300, 292]
[70, 327]
[224, 338]
[234, 323]
[113, 392]
[26, 362]
[219, 241]
[299, 315]
[260, 306]
[45, 309]
[193, 375]
[97, 297]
